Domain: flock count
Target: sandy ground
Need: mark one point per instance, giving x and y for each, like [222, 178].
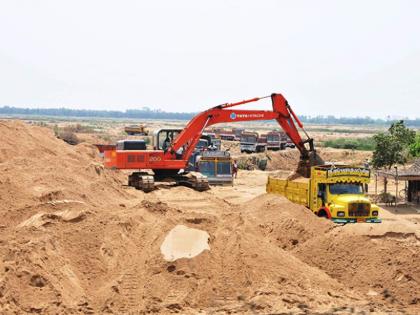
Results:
[75, 240]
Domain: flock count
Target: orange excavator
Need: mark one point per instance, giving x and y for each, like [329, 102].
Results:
[173, 149]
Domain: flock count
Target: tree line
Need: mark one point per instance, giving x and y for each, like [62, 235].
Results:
[143, 113]
[147, 113]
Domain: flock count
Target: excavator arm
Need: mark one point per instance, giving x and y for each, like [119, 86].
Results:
[281, 112]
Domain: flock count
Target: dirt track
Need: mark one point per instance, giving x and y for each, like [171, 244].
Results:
[74, 240]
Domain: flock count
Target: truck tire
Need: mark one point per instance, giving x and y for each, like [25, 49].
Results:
[322, 214]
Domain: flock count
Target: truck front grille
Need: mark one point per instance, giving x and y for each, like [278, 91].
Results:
[359, 209]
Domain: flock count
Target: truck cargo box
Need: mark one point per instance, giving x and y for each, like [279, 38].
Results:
[294, 190]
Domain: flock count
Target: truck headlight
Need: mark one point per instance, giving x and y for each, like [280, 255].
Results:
[341, 213]
[375, 213]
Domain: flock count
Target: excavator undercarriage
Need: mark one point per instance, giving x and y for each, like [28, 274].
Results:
[146, 182]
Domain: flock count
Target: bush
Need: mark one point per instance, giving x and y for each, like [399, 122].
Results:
[364, 144]
[68, 137]
[415, 146]
[78, 128]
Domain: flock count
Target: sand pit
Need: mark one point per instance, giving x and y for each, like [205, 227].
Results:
[74, 240]
[184, 242]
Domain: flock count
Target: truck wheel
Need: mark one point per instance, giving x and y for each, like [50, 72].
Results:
[322, 214]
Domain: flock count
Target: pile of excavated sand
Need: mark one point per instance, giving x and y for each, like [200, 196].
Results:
[37, 167]
[288, 159]
[386, 267]
[74, 241]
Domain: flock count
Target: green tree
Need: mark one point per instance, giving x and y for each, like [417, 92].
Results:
[415, 146]
[401, 133]
[392, 147]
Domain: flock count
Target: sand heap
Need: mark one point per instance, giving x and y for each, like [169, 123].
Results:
[74, 241]
[37, 167]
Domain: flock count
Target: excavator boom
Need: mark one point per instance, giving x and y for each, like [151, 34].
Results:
[176, 156]
[281, 112]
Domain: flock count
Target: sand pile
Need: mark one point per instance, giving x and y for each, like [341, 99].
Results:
[74, 241]
[385, 267]
[37, 167]
[288, 159]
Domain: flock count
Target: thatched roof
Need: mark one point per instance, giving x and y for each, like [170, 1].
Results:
[415, 168]
[413, 172]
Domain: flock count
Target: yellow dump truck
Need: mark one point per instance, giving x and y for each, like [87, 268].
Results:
[337, 192]
[139, 130]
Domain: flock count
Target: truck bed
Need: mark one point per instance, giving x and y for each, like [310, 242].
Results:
[295, 190]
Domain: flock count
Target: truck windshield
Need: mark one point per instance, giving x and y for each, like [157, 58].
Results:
[249, 139]
[273, 138]
[342, 189]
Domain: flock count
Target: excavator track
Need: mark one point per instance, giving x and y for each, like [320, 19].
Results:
[195, 180]
[141, 181]
[199, 182]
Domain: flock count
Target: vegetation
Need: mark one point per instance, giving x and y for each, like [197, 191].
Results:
[393, 146]
[341, 130]
[147, 113]
[414, 148]
[364, 144]
[68, 136]
[68, 133]
[144, 113]
[332, 120]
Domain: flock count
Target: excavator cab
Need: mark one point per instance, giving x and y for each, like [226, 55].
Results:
[161, 137]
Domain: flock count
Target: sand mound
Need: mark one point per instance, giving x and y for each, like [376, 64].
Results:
[284, 223]
[384, 267]
[73, 240]
[38, 167]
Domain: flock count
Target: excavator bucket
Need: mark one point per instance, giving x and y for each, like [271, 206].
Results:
[305, 164]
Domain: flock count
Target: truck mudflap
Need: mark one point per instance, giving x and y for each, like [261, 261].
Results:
[360, 220]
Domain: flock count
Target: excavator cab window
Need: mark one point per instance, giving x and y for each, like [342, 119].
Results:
[165, 137]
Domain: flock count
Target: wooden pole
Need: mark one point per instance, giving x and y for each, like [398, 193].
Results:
[396, 186]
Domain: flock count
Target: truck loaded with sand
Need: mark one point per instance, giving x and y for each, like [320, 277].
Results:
[75, 240]
[336, 192]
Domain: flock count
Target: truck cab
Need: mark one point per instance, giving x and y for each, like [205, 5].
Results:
[336, 192]
[248, 142]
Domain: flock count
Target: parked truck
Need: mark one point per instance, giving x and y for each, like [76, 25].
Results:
[261, 143]
[139, 130]
[249, 143]
[336, 192]
[238, 132]
[276, 140]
